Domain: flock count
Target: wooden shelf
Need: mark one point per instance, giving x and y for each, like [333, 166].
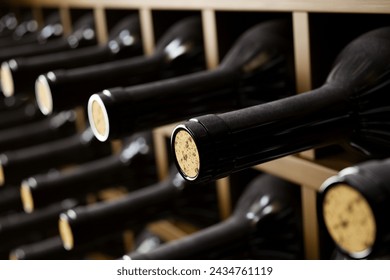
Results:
[347, 6]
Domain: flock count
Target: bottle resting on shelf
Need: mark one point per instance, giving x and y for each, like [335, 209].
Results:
[81, 224]
[179, 51]
[259, 61]
[351, 107]
[353, 206]
[49, 129]
[133, 167]
[82, 36]
[268, 206]
[124, 41]
[22, 163]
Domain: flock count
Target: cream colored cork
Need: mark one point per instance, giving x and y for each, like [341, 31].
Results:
[26, 196]
[98, 118]
[7, 81]
[1, 175]
[43, 96]
[349, 219]
[187, 154]
[65, 233]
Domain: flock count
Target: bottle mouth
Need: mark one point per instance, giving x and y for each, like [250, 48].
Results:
[1, 175]
[43, 95]
[66, 232]
[186, 153]
[7, 81]
[27, 198]
[349, 219]
[98, 118]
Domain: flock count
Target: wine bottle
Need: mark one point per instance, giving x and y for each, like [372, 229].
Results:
[10, 201]
[124, 41]
[23, 31]
[52, 249]
[8, 23]
[11, 103]
[353, 207]
[180, 50]
[22, 228]
[28, 32]
[267, 206]
[260, 61]
[133, 167]
[25, 114]
[19, 164]
[83, 35]
[81, 224]
[351, 107]
[45, 130]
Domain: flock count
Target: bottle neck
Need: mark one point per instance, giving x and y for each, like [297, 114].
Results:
[130, 110]
[239, 139]
[101, 219]
[215, 236]
[91, 177]
[90, 79]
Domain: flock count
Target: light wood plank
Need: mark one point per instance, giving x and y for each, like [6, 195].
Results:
[147, 30]
[100, 24]
[210, 38]
[349, 6]
[310, 223]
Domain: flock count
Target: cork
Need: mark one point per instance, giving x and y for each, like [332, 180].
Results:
[98, 117]
[349, 219]
[7, 81]
[1, 175]
[43, 95]
[27, 198]
[65, 232]
[187, 154]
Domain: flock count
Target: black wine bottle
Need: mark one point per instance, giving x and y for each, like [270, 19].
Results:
[267, 206]
[19, 164]
[53, 128]
[24, 114]
[353, 207]
[351, 107]
[21, 228]
[124, 41]
[52, 249]
[81, 224]
[10, 201]
[83, 35]
[180, 50]
[8, 23]
[133, 167]
[260, 61]
[24, 31]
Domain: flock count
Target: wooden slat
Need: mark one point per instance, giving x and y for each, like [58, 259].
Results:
[147, 30]
[310, 223]
[100, 24]
[224, 199]
[210, 38]
[298, 170]
[349, 6]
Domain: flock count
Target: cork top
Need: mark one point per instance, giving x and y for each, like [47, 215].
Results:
[187, 154]
[98, 118]
[27, 198]
[43, 95]
[7, 81]
[1, 175]
[65, 232]
[349, 220]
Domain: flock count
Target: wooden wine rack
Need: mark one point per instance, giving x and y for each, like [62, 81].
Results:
[304, 169]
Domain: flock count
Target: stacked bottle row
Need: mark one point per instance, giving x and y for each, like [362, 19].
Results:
[49, 166]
